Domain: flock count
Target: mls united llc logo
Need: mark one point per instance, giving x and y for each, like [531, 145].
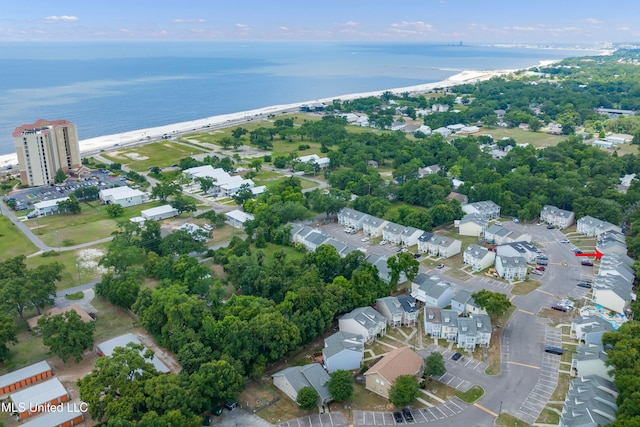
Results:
[20, 407]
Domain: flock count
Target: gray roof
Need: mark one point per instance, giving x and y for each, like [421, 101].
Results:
[311, 375]
[340, 246]
[511, 261]
[24, 373]
[552, 210]
[366, 316]
[462, 296]
[426, 236]
[476, 251]
[483, 322]
[408, 303]
[498, 230]
[392, 304]
[435, 312]
[590, 352]
[317, 238]
[109, 346]
[394, 228]
[475, 218]
[441, 240]
[467, 326]
[408, 231]
[341, 341]
[352, 213]
[449, 317]
[591, 401]
[38, 394]
[374, 221]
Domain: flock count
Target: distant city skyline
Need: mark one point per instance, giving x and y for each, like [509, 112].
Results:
[469, 21]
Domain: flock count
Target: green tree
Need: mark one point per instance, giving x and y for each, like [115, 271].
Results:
[404, 391]
[206, 183]
[495, 303]
[115, 210]
[243, 194]
[434, 365]
[60, 176]
[256, 164]
[121, 290]
[8, 334]
[192, 355]
[402, 263]
[164, 190]
[70, 205]
[217, 381]
[340, 385]
[66, 334]
[307, 398]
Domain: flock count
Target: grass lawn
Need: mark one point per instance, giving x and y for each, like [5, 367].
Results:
[111, 321]
[12, 241]
[537, 139]
[92, 223]
[75, 296]
[161, 154]
[509, 420]
[547, 416]
[441, 390]
[265, 177]
[471, 395]
[493, 351]
[526, 287]
[71, 275]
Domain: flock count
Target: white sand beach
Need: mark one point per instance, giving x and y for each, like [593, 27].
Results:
[134, 137]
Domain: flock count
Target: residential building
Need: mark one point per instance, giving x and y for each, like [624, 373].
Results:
[557, 217]
[108, 347]
[373, 226]
[589, 329]
[611, 242]
[351, 218]
[431, 290]
[196, 232]
[32, 322]
[473, 225]
[25, 376]
[45, 147]
[437, 245]
[322, 162]
[483, 329]
[590, 359]
[499, 235]
[467, 334]
[456, 127]
[314, 240]
[363, 321]
[521, 249]
[619, 138]
[380, 261]
[410, 236]
[429, 170]
[511, 268]
[237, 218]
[612, 293]
[462, 198]
[590, 402]
[123, 196]
[464, 304]
[432, 322]
[478, 257]
[159, 213]
[409, 310]
[293, 379]
[401, 361]
[343, 350]
[48, 207]
[486, 208]
[390, 308]
[32, 400]
[446, 133]
[392, 233]
[224, 184]
[449, 325]
[592, 227]
[425, 130]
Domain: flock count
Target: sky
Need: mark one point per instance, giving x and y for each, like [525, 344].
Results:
[582, 22]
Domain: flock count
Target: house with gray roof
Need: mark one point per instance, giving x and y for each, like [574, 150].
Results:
[449, 325]
[557, 217]
[483, 329]
[351, 218]
[612, 293]
[343, 350]
[486, 208]
[409, 310]
[431, 290]
[497, 234]
[363, 321]
[432, 321]
[590, 359]
[390, 308]
[590, 402]
[314, 240]
[108, 347]
[291, 380]
[611, 244]
[373, 226]
[473, 224]
[592, 227]
[392, 233]
[467, 334]
[511, 267]
[380, 262]
[410, 236]
[429, 170]
[589, 329]
[464, 304]
[437, 245]
[478, 257]
[521, 249]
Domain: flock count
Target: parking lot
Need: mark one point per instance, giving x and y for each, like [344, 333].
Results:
[332, 419]
[420, 416]
[465, 362]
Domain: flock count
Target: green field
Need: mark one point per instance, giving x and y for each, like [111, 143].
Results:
[12, 241]
[161, 154]
[537, 139]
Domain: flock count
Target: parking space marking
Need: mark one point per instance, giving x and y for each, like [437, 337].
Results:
[523, 364]
[487, 410]
[526, 312]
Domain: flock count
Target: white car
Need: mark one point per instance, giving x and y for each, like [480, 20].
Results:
[364, 239]
[384, 242]
[564, 241]
[207, 227]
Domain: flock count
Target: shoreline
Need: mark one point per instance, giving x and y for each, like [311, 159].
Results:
[140, 136]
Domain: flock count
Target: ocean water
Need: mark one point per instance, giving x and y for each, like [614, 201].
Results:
[109, 87]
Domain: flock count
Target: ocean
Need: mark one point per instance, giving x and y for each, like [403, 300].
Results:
[112, 87]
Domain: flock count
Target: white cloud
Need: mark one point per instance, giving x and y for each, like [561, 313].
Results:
[350, 24]
[188, 21]
[61, 18]
[594, 21]
[283, 28]
[416, 26]
[243, 26]
[523, 28]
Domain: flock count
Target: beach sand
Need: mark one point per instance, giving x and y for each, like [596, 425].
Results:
[94, 145]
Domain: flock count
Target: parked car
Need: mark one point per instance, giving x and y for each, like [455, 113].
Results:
[217, 411]
[364, 239]
[397, 416]
[440, 265]
[587, 263]
[399, 250]
[559, 307]
[206, 421]
[416, 256]
[553, 350]
[542, 261]
[231, 405]
[550, 227]
[543, 257]
[383, 242]
[584, 284]
[407, 415]
[456, 356]
[540, 268]
[564, 241]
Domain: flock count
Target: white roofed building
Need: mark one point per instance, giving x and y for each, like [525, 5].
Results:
[236, 218]
[159, 213]
[48, 207]
[322, 162]
[123, 196]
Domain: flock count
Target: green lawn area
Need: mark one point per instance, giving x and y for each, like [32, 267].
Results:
[524, 288]
[537, 139]
[12, 241]
[265, 177]
[93, 223]
[508, 420]
[161, 154]
[111, 321]
[471, 395]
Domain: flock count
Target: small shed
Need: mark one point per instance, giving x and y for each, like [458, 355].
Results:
[70, 416]
[25, 376]
[159, 213]
[37, 398]
[106, 349]
[236, 218]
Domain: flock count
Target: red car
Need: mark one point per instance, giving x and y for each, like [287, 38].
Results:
[540, 268]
